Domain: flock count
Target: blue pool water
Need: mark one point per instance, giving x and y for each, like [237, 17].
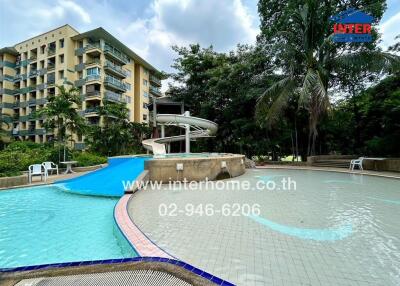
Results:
[40, 225]
[106, 181]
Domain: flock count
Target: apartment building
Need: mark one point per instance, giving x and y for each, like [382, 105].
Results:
[102, 67]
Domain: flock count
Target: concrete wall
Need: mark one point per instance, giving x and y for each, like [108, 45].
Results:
[391, 165]
[194, 169]
[312, 159]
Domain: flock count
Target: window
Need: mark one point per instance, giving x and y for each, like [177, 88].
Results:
[145, 117]
[62, 43]
[42, 49]
[145, 82]
[128, 99]
[61, 74]
[145, 71]
[128, 86]
[93, 71]
[145, 94]
[61, 58]
[144, 105]
[128, 73]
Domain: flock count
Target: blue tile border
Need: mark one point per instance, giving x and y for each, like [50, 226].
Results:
[181, 264]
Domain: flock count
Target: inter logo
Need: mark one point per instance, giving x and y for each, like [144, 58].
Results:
[352, 26]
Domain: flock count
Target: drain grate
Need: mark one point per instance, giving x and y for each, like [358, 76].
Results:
[118, 278]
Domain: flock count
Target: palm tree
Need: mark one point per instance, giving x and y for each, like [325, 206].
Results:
[5, 120]
[61, 115]
[113, 135]
[312, 66]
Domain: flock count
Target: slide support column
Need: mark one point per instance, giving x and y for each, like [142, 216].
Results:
[187, 134]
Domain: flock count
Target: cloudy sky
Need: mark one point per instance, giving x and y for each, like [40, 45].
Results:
[151, 27]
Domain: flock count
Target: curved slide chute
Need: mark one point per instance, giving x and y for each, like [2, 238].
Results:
[195, 128]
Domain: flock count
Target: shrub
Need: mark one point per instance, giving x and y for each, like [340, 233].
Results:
[88, 159]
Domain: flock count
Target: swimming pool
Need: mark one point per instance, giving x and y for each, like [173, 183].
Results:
[334, 229]
[40, 225]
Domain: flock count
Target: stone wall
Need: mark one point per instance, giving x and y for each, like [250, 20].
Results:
[195, 169]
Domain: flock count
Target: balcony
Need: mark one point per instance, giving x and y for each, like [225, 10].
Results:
[32, 131]
[93, 77]
[114, 69]
[116, 55]
[80, 82]
[93, 95]
[33, 73]
[23, 63]
[155, 91]
[51, 51]
[155, 80]
[41, 86]
[93, 48]
[92, 111]
[114, 97]
[33, 58]
[51, 66]
[79, 146]
[93, 62]
[42, 71]
[115, 84]
[41, 101]
[79, 51]
[79, 67]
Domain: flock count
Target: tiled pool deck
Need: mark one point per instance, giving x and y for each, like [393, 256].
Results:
[246, 252]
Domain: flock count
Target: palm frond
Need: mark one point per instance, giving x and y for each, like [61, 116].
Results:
[373, 61]
[273, 101]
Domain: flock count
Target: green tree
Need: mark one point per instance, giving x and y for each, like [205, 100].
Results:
[116, 135]
[298, 36]
[224, 88]
[5, 120]
[61, 115]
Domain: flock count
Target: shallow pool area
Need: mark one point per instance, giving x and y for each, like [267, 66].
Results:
[334, 229]
[41, 225]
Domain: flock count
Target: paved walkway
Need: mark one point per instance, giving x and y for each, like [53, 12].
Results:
[340, 170]
[335, 229]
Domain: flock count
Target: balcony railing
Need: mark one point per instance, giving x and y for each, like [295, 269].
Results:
[51, 51]
[114, 83]
[155, 80]
[79, 146]
[155, 91]
[92, 95]
[115, 69]
[116, 54]
[33, 73]
[42, 71]
[114, 97]
[93, 62]
[91, 110]
[51, 66]
[92, 46]
[93, 77]
[79, 67]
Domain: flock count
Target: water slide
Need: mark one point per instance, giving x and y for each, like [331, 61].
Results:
[107, 181]
[195, 128]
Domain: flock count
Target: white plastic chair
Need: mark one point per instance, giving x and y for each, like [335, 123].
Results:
[49, 166]
[36, 170]
[356, 162]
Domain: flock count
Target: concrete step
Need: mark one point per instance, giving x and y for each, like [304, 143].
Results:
[332, 163]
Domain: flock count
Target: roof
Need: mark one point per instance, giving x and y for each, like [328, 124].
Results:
[66, 25]
[100, 33]
[9, 50]
[352, 16]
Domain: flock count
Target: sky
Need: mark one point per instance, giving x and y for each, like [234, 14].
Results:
[151, 27]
